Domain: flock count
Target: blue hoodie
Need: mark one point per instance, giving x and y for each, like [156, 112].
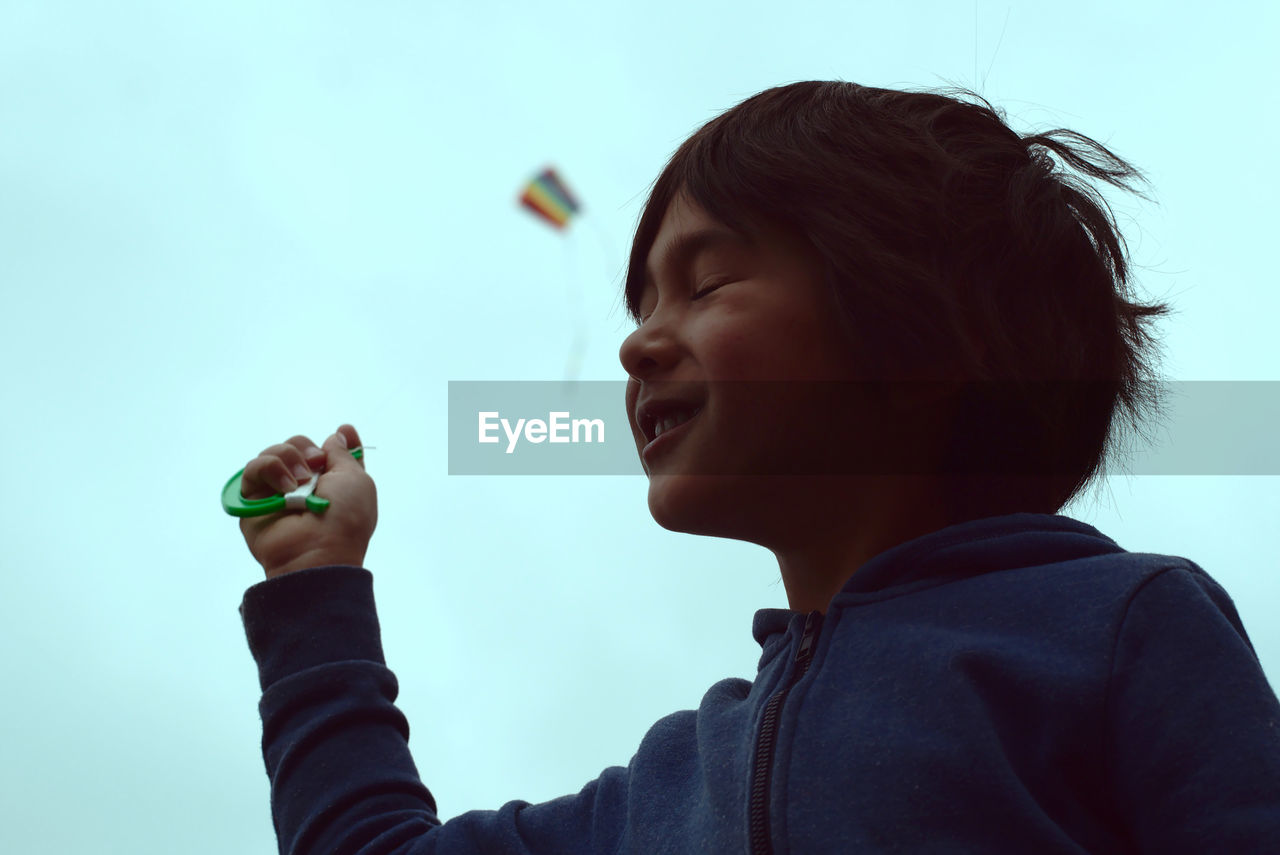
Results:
[1015, 684]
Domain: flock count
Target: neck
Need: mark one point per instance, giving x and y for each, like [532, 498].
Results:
[833, 534]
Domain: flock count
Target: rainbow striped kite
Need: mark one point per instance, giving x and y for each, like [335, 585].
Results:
[547, 197]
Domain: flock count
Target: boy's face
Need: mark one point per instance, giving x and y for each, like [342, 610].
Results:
[771, 319]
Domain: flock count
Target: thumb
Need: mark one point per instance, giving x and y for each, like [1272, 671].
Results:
[338, 455]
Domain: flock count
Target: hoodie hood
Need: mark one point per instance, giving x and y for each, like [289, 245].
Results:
[971, 548]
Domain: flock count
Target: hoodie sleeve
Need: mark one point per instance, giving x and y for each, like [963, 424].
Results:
[337, 748]
[1194, 727]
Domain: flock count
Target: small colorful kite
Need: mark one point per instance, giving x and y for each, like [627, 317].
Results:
[548, 197]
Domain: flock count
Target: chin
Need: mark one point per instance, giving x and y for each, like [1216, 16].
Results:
[709, 505]
[684, 503]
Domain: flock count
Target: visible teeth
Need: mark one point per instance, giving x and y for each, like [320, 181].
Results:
[671, 421]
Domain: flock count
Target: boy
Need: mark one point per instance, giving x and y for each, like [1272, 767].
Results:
[962, 669]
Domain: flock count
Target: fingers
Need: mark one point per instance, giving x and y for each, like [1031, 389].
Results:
[282, 467]
[311, 452]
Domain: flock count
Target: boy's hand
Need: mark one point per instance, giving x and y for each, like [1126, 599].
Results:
[296, 540]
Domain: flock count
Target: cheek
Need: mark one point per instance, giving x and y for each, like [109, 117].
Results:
[731, 347]
[780, 341]
[822, 352]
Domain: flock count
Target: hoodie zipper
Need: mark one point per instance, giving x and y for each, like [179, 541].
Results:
[760, 842]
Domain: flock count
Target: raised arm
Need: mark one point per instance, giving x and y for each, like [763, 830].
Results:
[336, 747]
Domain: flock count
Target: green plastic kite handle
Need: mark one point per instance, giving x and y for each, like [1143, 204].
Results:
[238, 506]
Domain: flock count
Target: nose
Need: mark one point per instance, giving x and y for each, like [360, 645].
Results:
[648, 350]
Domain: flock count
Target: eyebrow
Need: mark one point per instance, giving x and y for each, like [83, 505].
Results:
[689, 244]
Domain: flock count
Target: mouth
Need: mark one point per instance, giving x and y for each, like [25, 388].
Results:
[667, 433]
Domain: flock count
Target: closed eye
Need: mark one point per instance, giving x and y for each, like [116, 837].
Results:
[705, 291]
[698, 295]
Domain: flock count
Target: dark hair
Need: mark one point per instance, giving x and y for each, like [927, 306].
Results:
[940, 227]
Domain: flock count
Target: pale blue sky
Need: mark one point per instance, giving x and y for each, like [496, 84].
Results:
[225, 223]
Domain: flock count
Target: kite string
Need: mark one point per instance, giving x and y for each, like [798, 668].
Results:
[574, 280]
[573, 283]
[979, 86]
[606, 248]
